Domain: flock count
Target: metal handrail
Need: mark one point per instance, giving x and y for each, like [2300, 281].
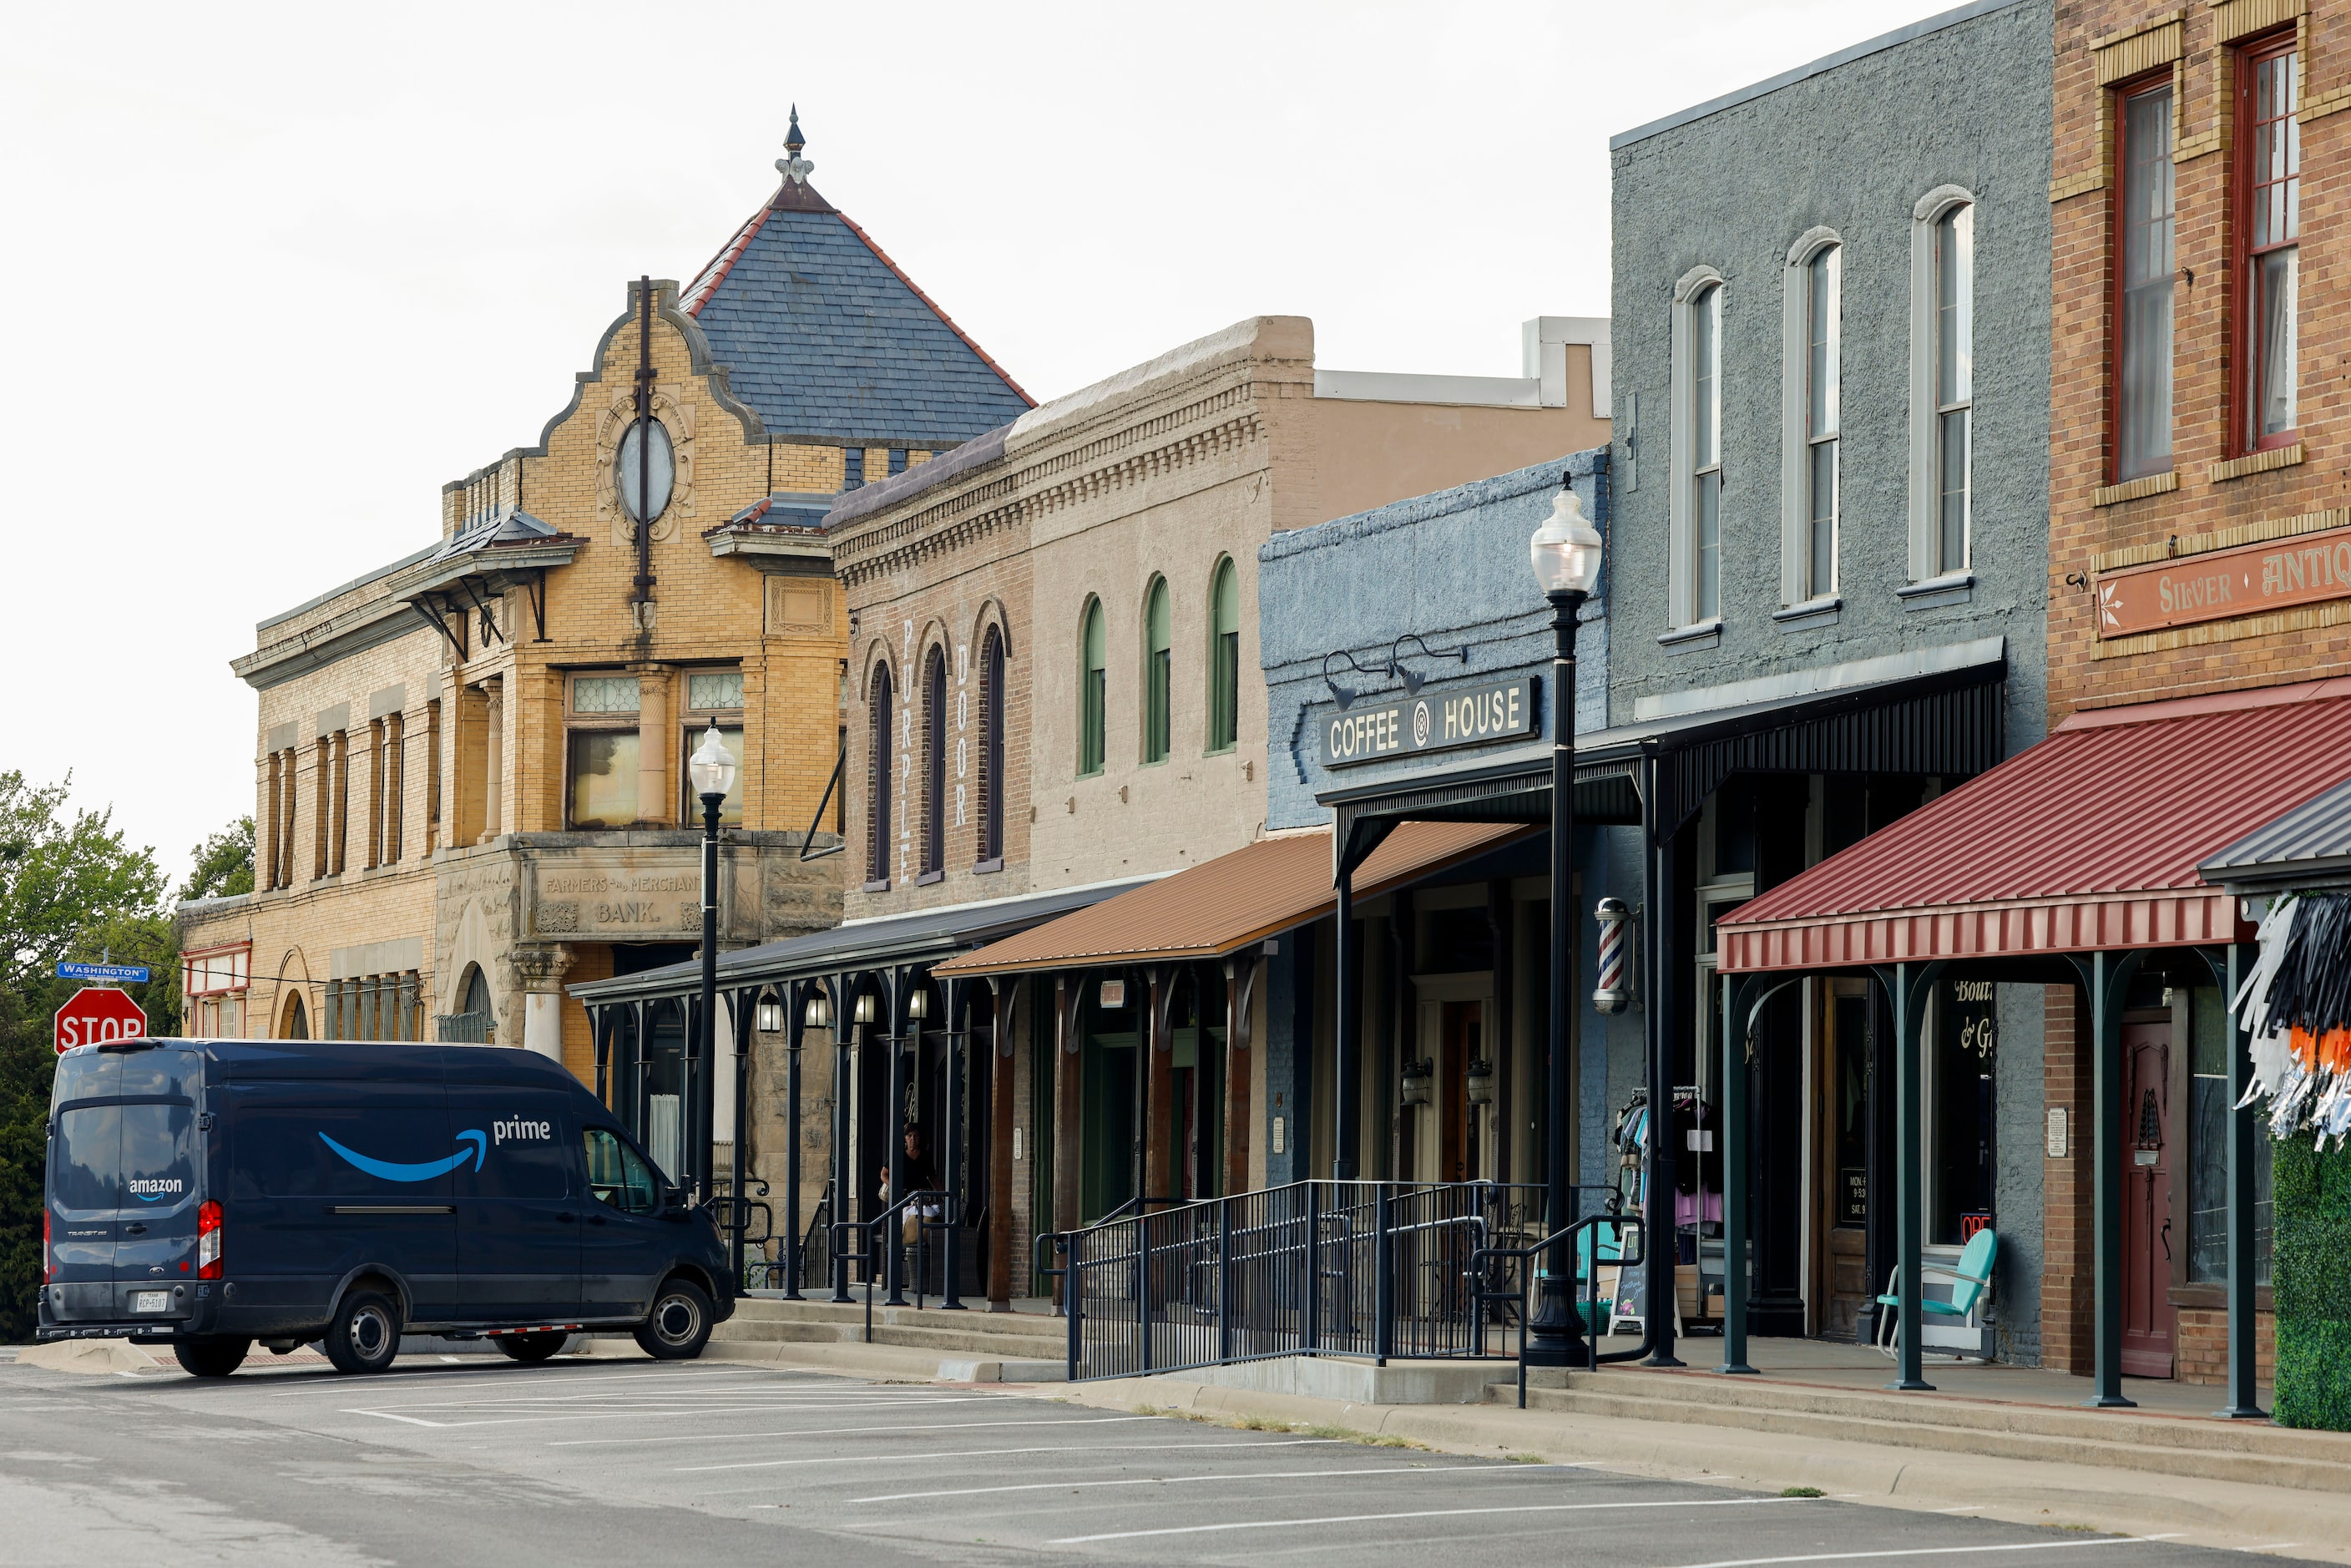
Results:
[870, 1227]
[1592, 1279]
[1061, 1239]
[738, 1205]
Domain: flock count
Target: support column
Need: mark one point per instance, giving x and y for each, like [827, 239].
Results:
[952, 1175]
[1159, 1103]
[894, 1128]
[796, 996]
[1665, 989]
[1068, 1002]
[1346, 1054]
[1911, 986]
[845, 1035]
[1240, 998]
[1736, 1001]
[600, 1025]
[1003, 1238]
[2244, 1387]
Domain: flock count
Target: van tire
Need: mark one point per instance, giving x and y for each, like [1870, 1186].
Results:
[679, 1324]
[365, 1333]
[529, 1348]
[211, 1356]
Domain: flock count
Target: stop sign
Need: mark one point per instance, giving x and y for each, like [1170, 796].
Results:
[97, 1013]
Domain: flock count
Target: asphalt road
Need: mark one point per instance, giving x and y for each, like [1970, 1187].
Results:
[581, 1461]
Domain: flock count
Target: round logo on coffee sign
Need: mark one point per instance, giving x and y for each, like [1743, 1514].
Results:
[1420, 724]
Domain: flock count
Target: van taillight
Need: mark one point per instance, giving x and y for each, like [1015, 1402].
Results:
[48, 1258]
[208, 1240]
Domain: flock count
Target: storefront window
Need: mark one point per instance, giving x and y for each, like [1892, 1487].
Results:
[2208, 1149]
[730, 810]
[1962, 1112]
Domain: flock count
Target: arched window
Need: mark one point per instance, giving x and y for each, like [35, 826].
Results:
[1158, 661]
[991, 747]
[1224, 656]
[877, 779]
[934, 763]
[1093, 689]
[297, 1022]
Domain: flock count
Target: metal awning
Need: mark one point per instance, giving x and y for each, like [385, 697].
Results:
[898, 939]
[2090, 841]
[1231, 903]
[2308, 847]
[1942, 722]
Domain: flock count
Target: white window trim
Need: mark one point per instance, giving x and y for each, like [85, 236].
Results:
[1924, 507]
[1682, 438]
[1795, 358]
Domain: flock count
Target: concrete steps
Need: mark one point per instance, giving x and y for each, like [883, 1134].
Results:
[966, 1346]
[2241, 1451]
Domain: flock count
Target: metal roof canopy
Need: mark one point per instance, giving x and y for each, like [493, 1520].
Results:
[921, 937]
[1943, 723]
[2308, 847]
[1229, 904]
[2090, 841]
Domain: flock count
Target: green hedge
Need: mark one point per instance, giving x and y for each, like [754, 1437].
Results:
[2313, 1269]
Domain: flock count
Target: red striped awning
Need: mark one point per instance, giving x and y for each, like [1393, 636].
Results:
[2088, 842]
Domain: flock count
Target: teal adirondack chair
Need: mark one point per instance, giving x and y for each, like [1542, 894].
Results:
[1969, 1280]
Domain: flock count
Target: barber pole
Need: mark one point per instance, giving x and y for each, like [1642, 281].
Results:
[1615, 992]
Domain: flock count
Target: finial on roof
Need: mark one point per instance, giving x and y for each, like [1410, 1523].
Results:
[794, 168]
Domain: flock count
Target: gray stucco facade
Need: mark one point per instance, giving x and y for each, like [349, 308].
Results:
[1858, 150]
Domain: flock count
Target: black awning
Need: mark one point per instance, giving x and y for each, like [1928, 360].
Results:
[1945, 722]
[924, 937]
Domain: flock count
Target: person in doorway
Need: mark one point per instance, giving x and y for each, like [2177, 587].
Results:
[920, 1177]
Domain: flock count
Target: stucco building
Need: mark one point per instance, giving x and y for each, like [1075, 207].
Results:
[469, 763]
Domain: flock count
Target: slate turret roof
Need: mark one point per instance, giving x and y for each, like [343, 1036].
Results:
[822, 335]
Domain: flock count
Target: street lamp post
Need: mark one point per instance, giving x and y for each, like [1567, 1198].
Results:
[1566, 555]
[713, 768]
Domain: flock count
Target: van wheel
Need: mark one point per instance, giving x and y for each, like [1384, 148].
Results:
[679, 1324]
[529, 1347]
[212, 1356]
[365, 1334]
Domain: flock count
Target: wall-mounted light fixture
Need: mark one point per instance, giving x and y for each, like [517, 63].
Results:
[1479, 1082]
[869, 1008]
[770, 1015]
[1344, 696]
[1419, 1081]
[819, 1012]
[1413, 679]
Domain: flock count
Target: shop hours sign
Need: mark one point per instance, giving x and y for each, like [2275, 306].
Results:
[1431, 721]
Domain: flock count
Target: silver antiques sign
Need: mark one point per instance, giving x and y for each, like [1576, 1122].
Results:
[1433, 721]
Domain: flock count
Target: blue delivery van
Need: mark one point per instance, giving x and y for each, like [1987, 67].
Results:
[213, 1194]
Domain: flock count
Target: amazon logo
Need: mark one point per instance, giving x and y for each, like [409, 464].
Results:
[391, 1170]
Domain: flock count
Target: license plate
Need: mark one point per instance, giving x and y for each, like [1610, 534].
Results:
[151, 1300]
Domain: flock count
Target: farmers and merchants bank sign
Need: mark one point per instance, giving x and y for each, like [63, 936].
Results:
[2249, 579]
[1433, 721]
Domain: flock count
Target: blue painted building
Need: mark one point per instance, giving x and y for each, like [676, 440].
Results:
[1406, 609]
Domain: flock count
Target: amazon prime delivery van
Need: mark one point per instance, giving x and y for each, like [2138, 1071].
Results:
[213, 1194]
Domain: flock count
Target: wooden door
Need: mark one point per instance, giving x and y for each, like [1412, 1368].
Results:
[2148, 1317]
[1458, 1153]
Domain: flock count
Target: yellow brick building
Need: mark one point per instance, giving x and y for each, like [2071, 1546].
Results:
[469, 765]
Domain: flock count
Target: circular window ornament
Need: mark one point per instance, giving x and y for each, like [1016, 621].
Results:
[629, 471]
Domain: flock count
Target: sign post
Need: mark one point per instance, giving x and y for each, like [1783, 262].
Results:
[96, 1014]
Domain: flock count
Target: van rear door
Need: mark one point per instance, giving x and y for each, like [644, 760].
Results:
[155, 1234]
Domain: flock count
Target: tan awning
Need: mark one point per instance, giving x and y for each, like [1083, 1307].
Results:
[1232, 900]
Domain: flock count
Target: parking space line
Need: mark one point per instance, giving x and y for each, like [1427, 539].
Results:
[509, 1376]
[1938, 1551]
[844, 1431]
[935, 1455]
[1428, 1513]
[1192, 1481]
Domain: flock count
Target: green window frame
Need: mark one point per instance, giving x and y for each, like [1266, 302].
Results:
[1158, 668]
[1225, 657]
[1093, 689]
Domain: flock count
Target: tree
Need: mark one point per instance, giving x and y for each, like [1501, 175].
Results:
[70, 888]
[223, 865]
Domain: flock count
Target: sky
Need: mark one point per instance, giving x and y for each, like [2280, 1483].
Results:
[282, 272]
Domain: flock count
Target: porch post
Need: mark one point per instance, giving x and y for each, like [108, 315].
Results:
[1241, 989]
[1159, 1128]
[845, 1031]
[1003, 1002]
[1068, 1060]
[1663, 1235]
[1913, 984]
[1737, 1003]
[951, 1171]
[796, 995]
[901, 982]
[2244, 1389]
[1348, 1045]
[600, 1024]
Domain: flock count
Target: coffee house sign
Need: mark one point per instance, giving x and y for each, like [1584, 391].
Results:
[1431, 721]
[2249, 579]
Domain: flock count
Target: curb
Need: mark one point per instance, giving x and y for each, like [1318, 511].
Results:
[2127, 1502]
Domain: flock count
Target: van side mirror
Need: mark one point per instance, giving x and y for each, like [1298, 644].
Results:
[674, 1196]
